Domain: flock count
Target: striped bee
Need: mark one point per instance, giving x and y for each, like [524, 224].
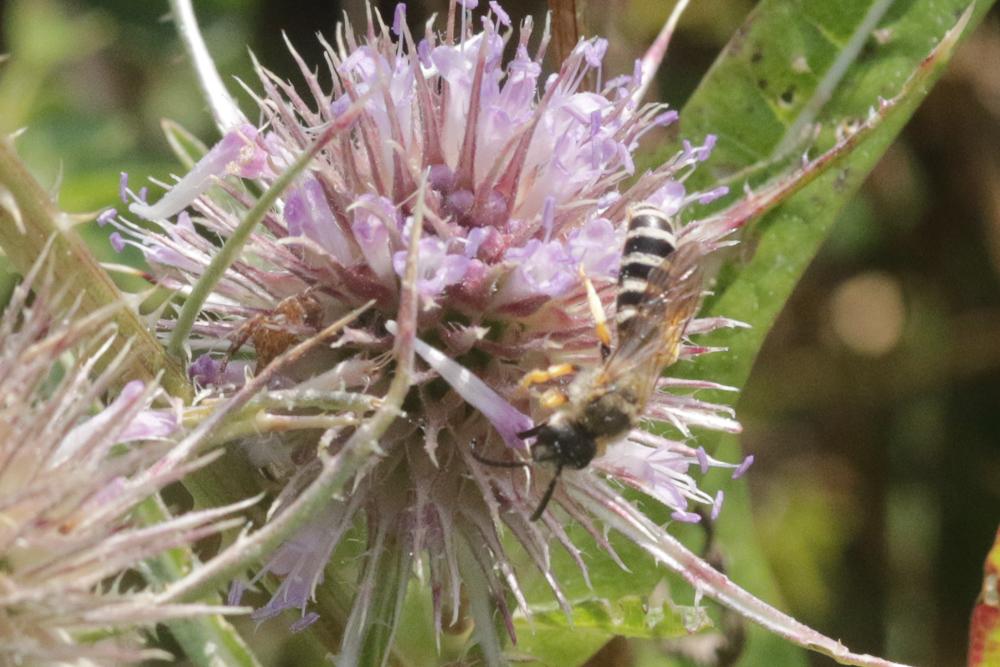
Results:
[659, 291]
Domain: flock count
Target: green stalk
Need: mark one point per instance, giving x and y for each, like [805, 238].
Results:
[371, 626]
[254, 418]
[28, 219]
[393, 575]
[481, 606]
[207, 641]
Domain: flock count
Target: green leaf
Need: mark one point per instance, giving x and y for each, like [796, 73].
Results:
[594, 618]
[793, 67]
[744, 99]
[630, 604]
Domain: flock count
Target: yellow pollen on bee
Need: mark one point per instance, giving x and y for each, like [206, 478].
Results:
[539, 376]
[552, 399]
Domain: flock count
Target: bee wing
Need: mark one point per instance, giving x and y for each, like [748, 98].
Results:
[651, 338]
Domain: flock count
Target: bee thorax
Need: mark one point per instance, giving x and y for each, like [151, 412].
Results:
[609, 415]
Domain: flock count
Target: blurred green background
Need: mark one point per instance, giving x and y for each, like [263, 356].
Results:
[874, 408]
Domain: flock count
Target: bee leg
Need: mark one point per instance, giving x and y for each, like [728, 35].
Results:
[600, 317]
[496, 464]
[531, 432]
[540, 376]
[547, 497]
[499, 464]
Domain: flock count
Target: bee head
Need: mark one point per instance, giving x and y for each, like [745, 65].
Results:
[563, 444]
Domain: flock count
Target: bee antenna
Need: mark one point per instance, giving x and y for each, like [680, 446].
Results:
[547, 497]
[498, 464]
[531, 432]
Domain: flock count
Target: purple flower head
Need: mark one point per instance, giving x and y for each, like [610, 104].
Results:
[524, 210]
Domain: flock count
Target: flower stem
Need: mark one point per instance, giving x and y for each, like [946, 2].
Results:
[480, 606]
[254, 419]
[28, 221]
[224, 109]
[368, 638]
[206, 640]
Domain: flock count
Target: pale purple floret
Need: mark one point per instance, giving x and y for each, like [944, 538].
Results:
[127, 419]
[717, 505]
[205, 370]
[106, 216]
[702, 459]
[595, 248]
[308, 619]
[439, 268]
[151, 425]
[375, 224]
[307, 213]
[502, 16]
[594, 52]
[666, 118]
[539, 268]
[670, 197]
[743, 467]
[661, 472]
[238, 154]
[712, 195]
[399, 20]
[107, 425]
[300, 562]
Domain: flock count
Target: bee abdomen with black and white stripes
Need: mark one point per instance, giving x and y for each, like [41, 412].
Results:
[648, 242]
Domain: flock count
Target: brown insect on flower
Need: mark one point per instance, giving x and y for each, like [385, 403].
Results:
[294, 318]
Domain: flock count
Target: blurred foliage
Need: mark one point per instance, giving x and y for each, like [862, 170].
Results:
[874, 407]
